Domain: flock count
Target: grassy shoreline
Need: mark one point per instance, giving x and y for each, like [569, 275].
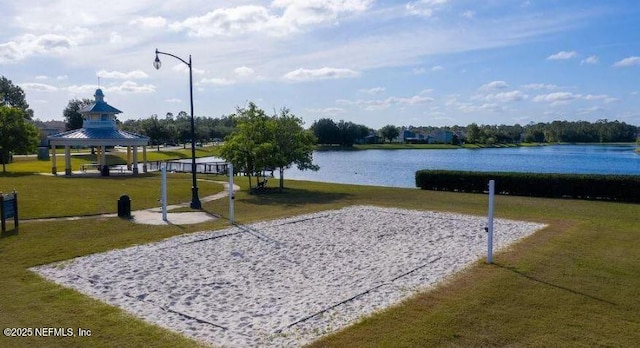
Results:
[574, 283]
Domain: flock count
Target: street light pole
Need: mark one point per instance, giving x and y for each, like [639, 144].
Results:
[195, 201]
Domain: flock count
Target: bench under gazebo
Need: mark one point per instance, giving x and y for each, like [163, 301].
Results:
[99, 130]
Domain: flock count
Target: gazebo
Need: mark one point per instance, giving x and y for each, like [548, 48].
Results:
[99, 130]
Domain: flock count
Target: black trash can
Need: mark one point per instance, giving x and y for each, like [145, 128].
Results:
[124, 207]
[104, 171]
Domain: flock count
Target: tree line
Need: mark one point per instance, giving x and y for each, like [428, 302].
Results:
[601, 131]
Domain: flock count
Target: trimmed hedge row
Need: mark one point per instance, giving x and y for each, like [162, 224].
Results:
[624, 188]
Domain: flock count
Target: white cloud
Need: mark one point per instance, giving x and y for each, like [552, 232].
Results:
[42, 77]
[493, 86]
[374, 90]
[538, 86]
[470, 108]
[468, 14]
[319, 74]
[419, 71]
[590, 60]
[557, 97]
[380, 104]
[173, 100]
[605, 98]
[28, 45]
[424, 8]
[630, 61]
[81, 90]
[563, 55]
[299, 14]
[150, 22]
[243, 71]
[226, 22]
[181, 67]
[217, 81]
[296, 16]
[504, 97]
[115, 38]
[596, 97]
[136, 74]
[62, 77]
[40, 87]
[131, 87]
[593, 109]
[437, 68]
[327, 112]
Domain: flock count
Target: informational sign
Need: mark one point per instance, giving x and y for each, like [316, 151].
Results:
[8, 209]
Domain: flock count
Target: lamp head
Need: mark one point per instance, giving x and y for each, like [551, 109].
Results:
[156, 63]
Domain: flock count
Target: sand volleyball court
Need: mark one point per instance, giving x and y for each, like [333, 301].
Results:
[284, 282]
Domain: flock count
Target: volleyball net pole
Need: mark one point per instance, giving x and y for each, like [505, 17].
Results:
[492, 188]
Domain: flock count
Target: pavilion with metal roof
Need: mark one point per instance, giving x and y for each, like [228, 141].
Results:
[99, 129]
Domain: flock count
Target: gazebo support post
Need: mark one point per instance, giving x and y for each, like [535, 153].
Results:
[128, 157]
[135, 159]
[144, 159]
[103, 161]
[54, 169]
[67, 160]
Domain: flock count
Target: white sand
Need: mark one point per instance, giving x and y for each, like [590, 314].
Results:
[285, 282]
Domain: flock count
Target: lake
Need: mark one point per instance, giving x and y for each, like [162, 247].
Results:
[398, 167]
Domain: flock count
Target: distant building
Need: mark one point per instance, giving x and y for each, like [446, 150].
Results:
[441, 136]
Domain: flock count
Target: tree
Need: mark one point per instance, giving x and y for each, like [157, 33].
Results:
[249, 147]
[155, 129]
[351, 132]
[389, 132]
[292, 144]
[17, 134]
[473, 133]
[326, 131]
[72, 117]
[260, 142]
[11, 95]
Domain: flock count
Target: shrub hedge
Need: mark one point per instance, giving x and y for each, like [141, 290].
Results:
[624, 188]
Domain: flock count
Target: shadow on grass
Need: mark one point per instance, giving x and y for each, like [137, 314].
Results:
[293, 197]
[9, 233]
[172, 154]
[14, 174]
[575, 292]
[113, 176]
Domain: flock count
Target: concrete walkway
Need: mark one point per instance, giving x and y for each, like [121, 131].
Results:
[153, 216]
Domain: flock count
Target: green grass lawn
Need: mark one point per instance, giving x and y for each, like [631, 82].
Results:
[575, 283]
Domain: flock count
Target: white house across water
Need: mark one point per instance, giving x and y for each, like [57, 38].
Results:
[99, 129]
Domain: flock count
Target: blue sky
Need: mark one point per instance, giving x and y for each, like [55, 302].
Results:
[423, 62]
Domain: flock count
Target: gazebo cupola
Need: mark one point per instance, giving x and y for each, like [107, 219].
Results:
[99, 114]
[100, 130]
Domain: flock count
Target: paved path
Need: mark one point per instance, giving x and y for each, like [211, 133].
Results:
[153, 216]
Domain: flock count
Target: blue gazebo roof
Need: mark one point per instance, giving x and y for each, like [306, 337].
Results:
[99, 106]
[98, 129]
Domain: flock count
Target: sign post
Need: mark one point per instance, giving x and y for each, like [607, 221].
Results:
[163, 170]
[492, 188]
[9, 209]
[231, 194]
